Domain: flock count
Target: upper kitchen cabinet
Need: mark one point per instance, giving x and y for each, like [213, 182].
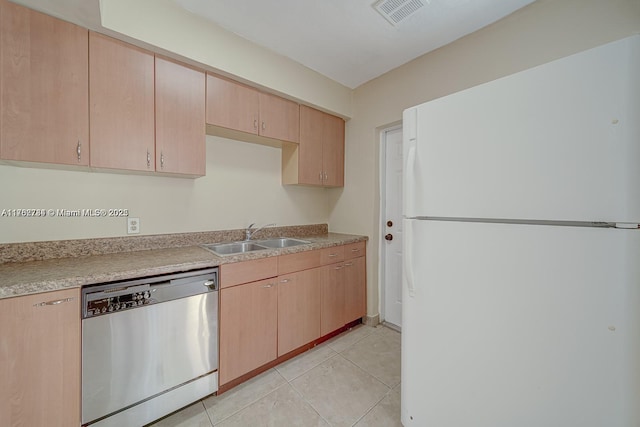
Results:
[279, 118]
[43, 88]
[234, 106]
[319, 157]
[180, 119]
[121, 109]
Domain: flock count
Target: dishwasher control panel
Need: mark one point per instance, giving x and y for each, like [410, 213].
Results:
[115, 300]
[105, 299]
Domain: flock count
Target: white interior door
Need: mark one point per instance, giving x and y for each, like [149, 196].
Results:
[392, 227]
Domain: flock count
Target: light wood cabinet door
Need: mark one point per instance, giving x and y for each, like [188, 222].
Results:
[318, 159]
[43, 87]
[355, 289]
[40, 360]
[310, 148]
[333, 151]
[232, 105]
[248, 328]
[180, 118]
[332, 308]
[279, 118]
[122, 104]
[298, 309]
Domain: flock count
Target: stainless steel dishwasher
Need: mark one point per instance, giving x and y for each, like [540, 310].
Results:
[149, 347]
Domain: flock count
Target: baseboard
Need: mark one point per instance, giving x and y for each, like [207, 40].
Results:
[371, 320]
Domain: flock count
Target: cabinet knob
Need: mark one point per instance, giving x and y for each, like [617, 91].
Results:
[388, 237]
[389, 223]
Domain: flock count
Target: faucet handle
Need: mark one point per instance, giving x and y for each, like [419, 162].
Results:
[251, 225]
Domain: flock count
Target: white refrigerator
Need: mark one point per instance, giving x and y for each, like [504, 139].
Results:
[521, 282]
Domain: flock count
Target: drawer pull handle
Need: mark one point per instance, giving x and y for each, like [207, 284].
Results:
[285, 280]
[333, 255]
[349, 264]
[339, 267]
[56, 302]
[355, 250]
[269, 285]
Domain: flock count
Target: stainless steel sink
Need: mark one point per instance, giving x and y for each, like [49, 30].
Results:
[282, 242]
[236, 248]
[233, 248]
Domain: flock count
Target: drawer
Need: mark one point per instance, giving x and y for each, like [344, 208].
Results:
[298, 262]
[354, 250]
[331, 255]
[248, 271]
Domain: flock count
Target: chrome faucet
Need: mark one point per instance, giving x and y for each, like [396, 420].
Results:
[248, 233]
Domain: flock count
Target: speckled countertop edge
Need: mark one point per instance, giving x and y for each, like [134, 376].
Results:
[24, 278]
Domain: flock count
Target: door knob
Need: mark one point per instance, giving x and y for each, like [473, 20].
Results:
[389, 223]
[388, 237]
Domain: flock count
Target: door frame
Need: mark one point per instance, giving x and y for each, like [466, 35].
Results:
[382, 264]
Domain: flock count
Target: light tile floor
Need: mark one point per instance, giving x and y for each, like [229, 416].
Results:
[350, 380]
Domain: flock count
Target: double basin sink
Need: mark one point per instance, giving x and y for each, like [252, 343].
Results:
[236, 248]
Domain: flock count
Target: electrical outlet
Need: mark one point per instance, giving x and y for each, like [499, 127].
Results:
[133, 225]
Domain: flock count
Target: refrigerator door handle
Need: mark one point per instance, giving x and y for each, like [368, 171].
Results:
[408, 257]
[409, 180]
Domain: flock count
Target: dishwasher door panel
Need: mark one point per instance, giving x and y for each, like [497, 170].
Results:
[132, 355]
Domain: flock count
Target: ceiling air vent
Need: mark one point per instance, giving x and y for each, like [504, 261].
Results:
[396, 11]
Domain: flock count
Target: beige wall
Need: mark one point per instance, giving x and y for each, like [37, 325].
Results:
[544, 31]
[242, 185]
[165, 25]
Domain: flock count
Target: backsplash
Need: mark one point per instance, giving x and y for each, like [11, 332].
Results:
[37, 251]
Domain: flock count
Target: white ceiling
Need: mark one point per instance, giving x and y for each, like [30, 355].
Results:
[348, 40]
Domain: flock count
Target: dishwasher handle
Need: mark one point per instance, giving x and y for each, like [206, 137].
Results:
[212, 285]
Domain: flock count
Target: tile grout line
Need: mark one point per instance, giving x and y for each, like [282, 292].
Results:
[309, 403]
[206, 412]
[253, 401]
[373, 407]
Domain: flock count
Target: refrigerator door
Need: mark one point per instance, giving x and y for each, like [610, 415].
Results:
[520, 325]
[555, 142]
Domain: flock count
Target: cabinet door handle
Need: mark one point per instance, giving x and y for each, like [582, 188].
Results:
[320, 177]
[285, 280]
[255, 123]
[161, 160]
[326, 177]
[148, 159]
[264, 126]
[269, 285]
[79, 151]
[55, 302]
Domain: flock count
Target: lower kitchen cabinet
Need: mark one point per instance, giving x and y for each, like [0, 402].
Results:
[332, 315]
[248, 328]
[343, 289]
[355, 289]
[40, 348]
[298, 309]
